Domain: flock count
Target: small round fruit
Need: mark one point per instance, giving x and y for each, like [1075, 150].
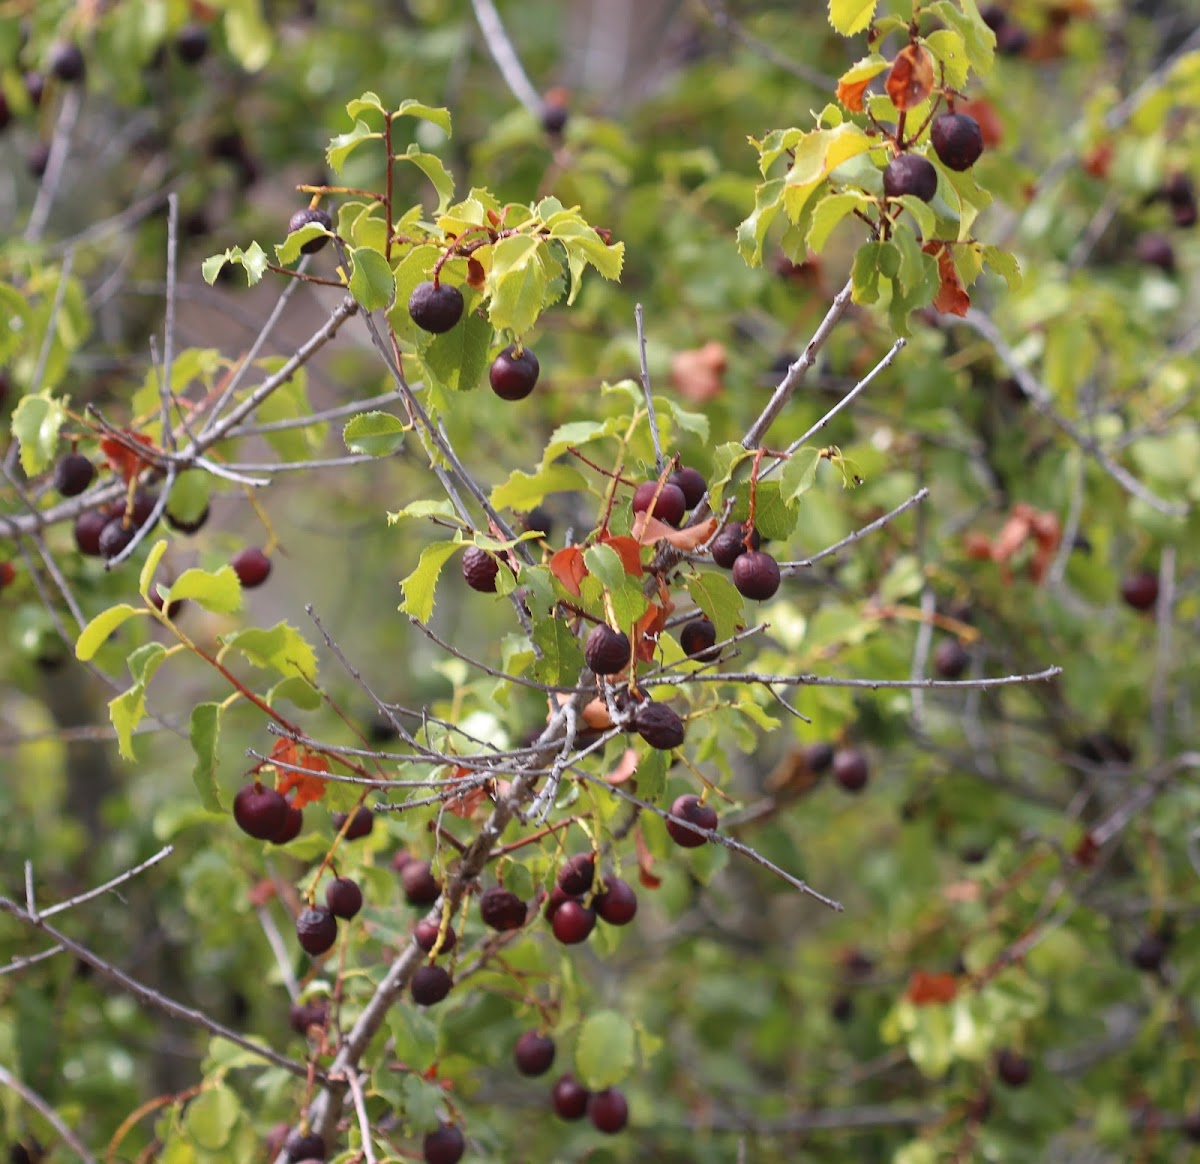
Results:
[1013, 1068]
[617, 905]
[191, 43]
[606, 651]
[180, 525]
[317, 930]
[573, 922]
[360, 825]
[303, 218]
[114, 537]
[73, 474]
[444, 1145]
[293, 822]
[429, 985]
[7, 573]
[756, 575]
[501, 909]
[304, 1147]
[850, 769]
[691, 483]
[608, 1111]
[577, 873]
[1149, 953]
[554, 901]
[957, 141]
[570, 1098]
[435, 307]
[669, 507]
[420, 885]
[697, 640]
[480, 570]
[1155, 250]
[554, 117]
[910, 174]
[66, 62]
[89, 525]
[841, 1009]
[730, 544]
[343, 898]
[303, 1015]
[688, 808]
[534, 1053]
[260, 812]
[817, 758]
[514, 373]
[950, 659]
[251, 566]
[426, 936]
[659, 726]
[1140, 589]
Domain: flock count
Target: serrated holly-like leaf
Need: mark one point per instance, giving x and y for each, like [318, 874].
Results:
[605, 1050]
[368, 102]
[951, 53]
[97, 632]
[216, 590]
[965, 19]
[726, 459]
[752, 232]
[149, 566]
[562, 656]
[288, 251]
[344, 144]
[371, 281]
[434, 113]
[579, 432]
[35, 423]
[433, 168]
[864, 275]
[281, 648]
[377, 434]
[126, 712]
[525, 490]
[420, 586]
[204, 731]
[800, 472]
[608, 573]
[457, 359]
[851, 16]
[817, 155]
[210, 1118]
[716, 595]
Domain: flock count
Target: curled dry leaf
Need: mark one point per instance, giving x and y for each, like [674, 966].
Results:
[629, 550]
[648, 628]
[309, 784]
[645, 860]
[464, 804]
[952, 298]
[647, 530]
[699, 373]
[476, 275]
[568, 567]
[910, 80]
[596, 716]
[625, 768]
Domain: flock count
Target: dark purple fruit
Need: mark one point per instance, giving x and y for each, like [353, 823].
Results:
[66, 62]
[88, 527]
[1155, 250]
[1140, 589]
[950, 659]
[573, 922]
[910, 174]
[730, 544]
[260, 812]
[957, 141]
[1149, 953]
[1180, 193]
[617, 905]
[670, 506]
[304, 1147]
[557, 898]
[606, 651]
[817, 757]
[178, 524]
[191, 44]
[360, 825]
[1013, 1068]
[691, 484]
[114, 537]
[303, 218]
[688, 808]
[570, 1098]
[444, 1145]
[697, 639]
[426, 936]
[293, 822]
[514, 373]
[435, 307]
[480, 569]
[420, 885]
[756, 575]
[251, 566]
[577, 873]
[841, 1009]
[501, 909]
[659, 726]
[608, 1111]
[534, 1053]
[343, 898]
[317, 930]
[429, 985]
[303, 1015]
[73, 474]
[850, 769]
[554, 117]
[5, 113]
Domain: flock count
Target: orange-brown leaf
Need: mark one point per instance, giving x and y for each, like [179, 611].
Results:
[464, 804]
[910, 79]
[648, 628]
[567, 565]
[850, 93]
[628, 550]
[596, 716]
[984, 112]
[648, 530]
[952, 298]
[304, 775]
[124, 460]
[625, 768]
[645, 860]
[699, 373]
[925, 988]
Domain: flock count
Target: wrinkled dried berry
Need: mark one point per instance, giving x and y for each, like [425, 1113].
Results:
[501, 909]
[659, 726]
[606, 651]
[480, 570]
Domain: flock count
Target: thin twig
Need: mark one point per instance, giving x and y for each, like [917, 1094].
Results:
[505, 56]
[47, 1113]
[1164, 618]
[810, 680]
[60, 147]
[850, 539]
[639, 320]
[120, 879]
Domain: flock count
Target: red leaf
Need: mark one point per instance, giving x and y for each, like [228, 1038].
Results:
[464, 804]
[628, 550]
[910, 80]
[952, 298]
[568, 567]
[645, 860]
[925, 988]
[309, 786]
[124, 460]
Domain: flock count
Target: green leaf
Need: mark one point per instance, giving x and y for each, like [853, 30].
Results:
[145, 661]
[97, 632]
[800, 472]
[562, 656]
[716, 595]
[423, 508]
[190, 495]
[342, 146]
[949, 50]
[434, 169]
[299, 691]
[204, 731]
[414, 268]
[289, 401]
[517, 283]
[436, 114]
[217, 590]
[371, 280]
[851, 16]
[281, 648]
[253, 261]
[458, 358]
[1004, 264]
[211, 1117]
[149, 566]
[288, 251]
[377, 434]
[752, 232]
[605, 1049]
[773, 517]
[125, 712]
[865, 273]
[828, 212]
[420, 586]
[965, 19]
[35, 423]
[525, 490]
[923, 214]
[368, 102]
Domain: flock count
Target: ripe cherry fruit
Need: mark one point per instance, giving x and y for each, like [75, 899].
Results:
[420, 885]
[444, 1145]
[73, 474]
[534, 1053]
[303, 218]
[850, 769]
[730, 544]
[756, 575]
[577, 873]
[260, 812]
[688, 808]
[360, 824]
[910, 174]
[606, 651]
[697, 638]
[317, 930]
[1140, 589]
[608, 1111]
[691, 483]
[573, 922]
[435, 307]
[426, 936]
[670, 505]
[429, 985]
[570, 1098]
[957, 141]
[251, 566]
[501, 909]
[480, 570]
[617, 905]
[514, 373]
[659, 726]
[343, 897]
